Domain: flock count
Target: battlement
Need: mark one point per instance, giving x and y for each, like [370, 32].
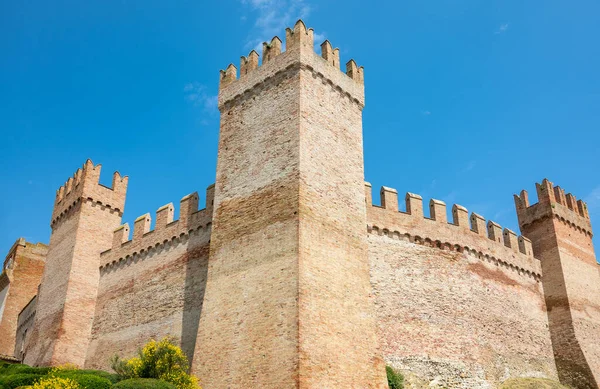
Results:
[553, 202]
[165, 230]
[85, 185]
[299, 53]
[466, 232]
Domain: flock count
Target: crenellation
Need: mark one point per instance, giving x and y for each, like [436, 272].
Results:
[583, 209]
[572, 203]
[545, 192]
[552, 203]
[166, 229]
[210, 200]
[85, 185]
[437, 211]
[120, 236]
[271, 50]
[494, 231]
[187, 206]
[354, 72]
[228, 76]
[164, 216]
[299, 37]
[299, 54]
[329, 54]
[368, 194]
[478, 224]
[525, 246]
[141, 227]
[69, 185]
[511, 240]
[464, 231]
[414, 204]
[559, 195]
[460, 216]
[389, 198]
[248, 64]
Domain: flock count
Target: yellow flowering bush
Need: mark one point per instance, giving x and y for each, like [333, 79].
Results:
[53, 382]
[162, 360]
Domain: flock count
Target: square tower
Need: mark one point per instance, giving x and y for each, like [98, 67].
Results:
[83, 220]
[287, 301]
[561, 234]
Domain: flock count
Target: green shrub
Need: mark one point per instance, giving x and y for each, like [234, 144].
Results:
[395, 379]
[162, 360]
[85, 380]
[15, 380]
[143, 383]
[18, 368]
[112, 378]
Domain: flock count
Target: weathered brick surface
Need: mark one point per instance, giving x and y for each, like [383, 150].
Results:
[24, 327]
[21, 274]
[562, 238]
[455, 308]
[153, 285]
[288, 299]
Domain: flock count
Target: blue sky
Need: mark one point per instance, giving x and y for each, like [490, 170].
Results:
[468, 101]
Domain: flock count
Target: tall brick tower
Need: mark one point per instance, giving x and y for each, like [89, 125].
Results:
[85, 215]
[561, 234]
[287, 301]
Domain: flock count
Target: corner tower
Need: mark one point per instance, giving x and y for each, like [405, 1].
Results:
[83, 220]
[287, 301]
[560, 231]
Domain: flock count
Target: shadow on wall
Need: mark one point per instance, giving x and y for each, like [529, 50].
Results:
[571, 364]
[196, 270]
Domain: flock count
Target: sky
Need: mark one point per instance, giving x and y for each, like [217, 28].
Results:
[467, 101]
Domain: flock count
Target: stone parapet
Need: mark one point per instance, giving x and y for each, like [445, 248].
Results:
[501, 246]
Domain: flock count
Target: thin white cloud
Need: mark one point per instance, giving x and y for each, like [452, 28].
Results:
[502, 29]
[198, 95]
[425, 113]
[271, 17]
[470, 166]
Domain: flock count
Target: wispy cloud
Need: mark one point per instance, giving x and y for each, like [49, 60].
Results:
[271, 17]
[470, 166]
[199, 96]
[425, 113]
[502, 29]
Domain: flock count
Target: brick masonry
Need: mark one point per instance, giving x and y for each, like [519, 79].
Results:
[21, 274]
[290, 277]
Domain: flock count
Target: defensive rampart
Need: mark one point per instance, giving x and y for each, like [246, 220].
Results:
[460, 303]
[153, 285]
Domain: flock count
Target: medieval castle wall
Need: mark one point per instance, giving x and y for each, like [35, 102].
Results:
[459, 303]
[292, 277]
[152, 285]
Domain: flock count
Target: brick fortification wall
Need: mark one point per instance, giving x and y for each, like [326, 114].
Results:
[21, 274]
[459, 304]
[152, 285]
[560, 229]
[24, 326]
[292, 278]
